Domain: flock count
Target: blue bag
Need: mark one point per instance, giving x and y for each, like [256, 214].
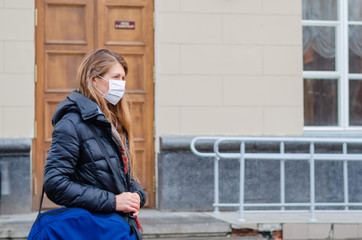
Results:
[79, 224]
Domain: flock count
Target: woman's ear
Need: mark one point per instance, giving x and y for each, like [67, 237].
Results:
[94, 81]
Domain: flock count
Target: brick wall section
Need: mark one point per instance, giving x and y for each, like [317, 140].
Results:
[16, 68]
[229, 67]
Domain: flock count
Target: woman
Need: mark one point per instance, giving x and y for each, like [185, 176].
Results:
[76, 172]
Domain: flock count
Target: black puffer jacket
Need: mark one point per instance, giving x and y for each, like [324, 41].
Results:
[76, 172]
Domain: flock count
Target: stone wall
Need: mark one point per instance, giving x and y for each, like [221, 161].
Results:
[186, 182]
[15, 177]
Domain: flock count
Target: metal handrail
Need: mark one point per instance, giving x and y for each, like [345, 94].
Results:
[282, 157]
[200, 154]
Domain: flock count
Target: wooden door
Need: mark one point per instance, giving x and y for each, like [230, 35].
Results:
[65, 31]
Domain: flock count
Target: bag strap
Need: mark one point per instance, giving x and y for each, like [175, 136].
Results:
[41, 200]
[106, 155]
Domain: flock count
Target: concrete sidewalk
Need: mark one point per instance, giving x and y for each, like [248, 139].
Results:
[174, 225]
[298, 226]
[207, 225]
[294, 226]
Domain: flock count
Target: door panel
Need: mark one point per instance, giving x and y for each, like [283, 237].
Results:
[61, 70]
[50, 106]
[135, 73]
[74, 23]
[114, 13]
[66, 31]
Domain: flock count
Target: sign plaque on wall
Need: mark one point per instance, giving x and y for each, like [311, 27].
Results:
[119, 24]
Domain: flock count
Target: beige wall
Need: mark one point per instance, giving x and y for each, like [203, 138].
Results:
[229, 67]
[16, 68]
[222, 67]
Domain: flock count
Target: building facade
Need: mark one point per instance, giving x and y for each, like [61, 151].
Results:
[235, 67]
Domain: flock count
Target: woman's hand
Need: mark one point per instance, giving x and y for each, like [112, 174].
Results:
[128, 202]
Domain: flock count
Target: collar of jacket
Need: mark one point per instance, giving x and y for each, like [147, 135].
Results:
[87, 108]
[77, 102]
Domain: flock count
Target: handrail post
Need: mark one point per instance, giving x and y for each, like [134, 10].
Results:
[242, 182]
[282, 177]
[345, 177]
[216, 185]
[312, 184]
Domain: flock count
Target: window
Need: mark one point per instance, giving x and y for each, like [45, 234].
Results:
[332, 64]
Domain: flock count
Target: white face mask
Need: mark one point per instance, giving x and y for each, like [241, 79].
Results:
[116, 90]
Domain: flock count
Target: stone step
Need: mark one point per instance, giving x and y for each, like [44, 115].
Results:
[174, 225]
[214, 238]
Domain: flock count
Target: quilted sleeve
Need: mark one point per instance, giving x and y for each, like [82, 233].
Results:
[136, 188]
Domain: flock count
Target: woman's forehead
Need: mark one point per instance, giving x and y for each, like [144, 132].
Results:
[116, 68]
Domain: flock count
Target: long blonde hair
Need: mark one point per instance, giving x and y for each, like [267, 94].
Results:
[98, 62]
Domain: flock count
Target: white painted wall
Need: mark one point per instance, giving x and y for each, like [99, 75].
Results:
[17, 68]
[229, 67]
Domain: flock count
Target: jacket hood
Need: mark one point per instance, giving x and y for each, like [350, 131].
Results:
[76, 102]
